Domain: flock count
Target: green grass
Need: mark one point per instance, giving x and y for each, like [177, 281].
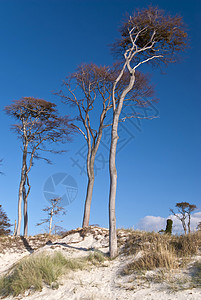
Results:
[34, 272]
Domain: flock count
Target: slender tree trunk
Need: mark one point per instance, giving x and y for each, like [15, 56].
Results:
[89, 194]
[50, 224]
[113, 187]
[112, 163]
[20, 193]
[25, 212]
[25, 197]
[184, 225]
[189, 223]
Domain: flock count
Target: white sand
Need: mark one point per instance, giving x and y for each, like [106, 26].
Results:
[103, 282]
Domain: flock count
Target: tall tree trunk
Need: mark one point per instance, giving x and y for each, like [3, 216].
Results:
[89, 194]
[20, 193]
[112, 162]
[113, 187]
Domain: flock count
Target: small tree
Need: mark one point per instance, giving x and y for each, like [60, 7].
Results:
[149, 36]
[4, 223]
[184, 212]
[38, 125]
[54, 210]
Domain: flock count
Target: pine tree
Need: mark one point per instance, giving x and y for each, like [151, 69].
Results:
[4, 223]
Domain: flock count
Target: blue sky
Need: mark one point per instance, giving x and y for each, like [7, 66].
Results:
[44, 41]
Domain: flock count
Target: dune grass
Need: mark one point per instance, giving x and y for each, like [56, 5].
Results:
[34, 272]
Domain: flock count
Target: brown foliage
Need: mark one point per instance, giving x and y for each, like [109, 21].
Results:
[153, 33]
[39, 121]
[97, 82]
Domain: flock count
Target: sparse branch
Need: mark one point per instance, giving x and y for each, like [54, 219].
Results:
[147, 60]
[80, 131]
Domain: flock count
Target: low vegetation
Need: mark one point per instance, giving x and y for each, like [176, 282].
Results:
[34, 272]
[159, 251]
[20, 243]
[162, 254]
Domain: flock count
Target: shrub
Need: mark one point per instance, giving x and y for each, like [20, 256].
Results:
[168, 229]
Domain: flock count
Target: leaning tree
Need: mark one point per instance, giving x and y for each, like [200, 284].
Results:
[39, 127]
[89, 90]
[149, 36]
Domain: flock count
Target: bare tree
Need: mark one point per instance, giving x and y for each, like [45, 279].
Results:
[38, 125]
[54, 210]
[184, 211]
[89, 89]
[149, 36]
[4, 223]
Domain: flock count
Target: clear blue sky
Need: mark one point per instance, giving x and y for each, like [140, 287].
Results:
[42, 41]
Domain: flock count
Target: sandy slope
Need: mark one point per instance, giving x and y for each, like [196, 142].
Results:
[103, 282]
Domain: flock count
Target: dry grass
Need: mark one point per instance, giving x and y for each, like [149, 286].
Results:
[162, 258]
[159, 251]
[19, 243]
